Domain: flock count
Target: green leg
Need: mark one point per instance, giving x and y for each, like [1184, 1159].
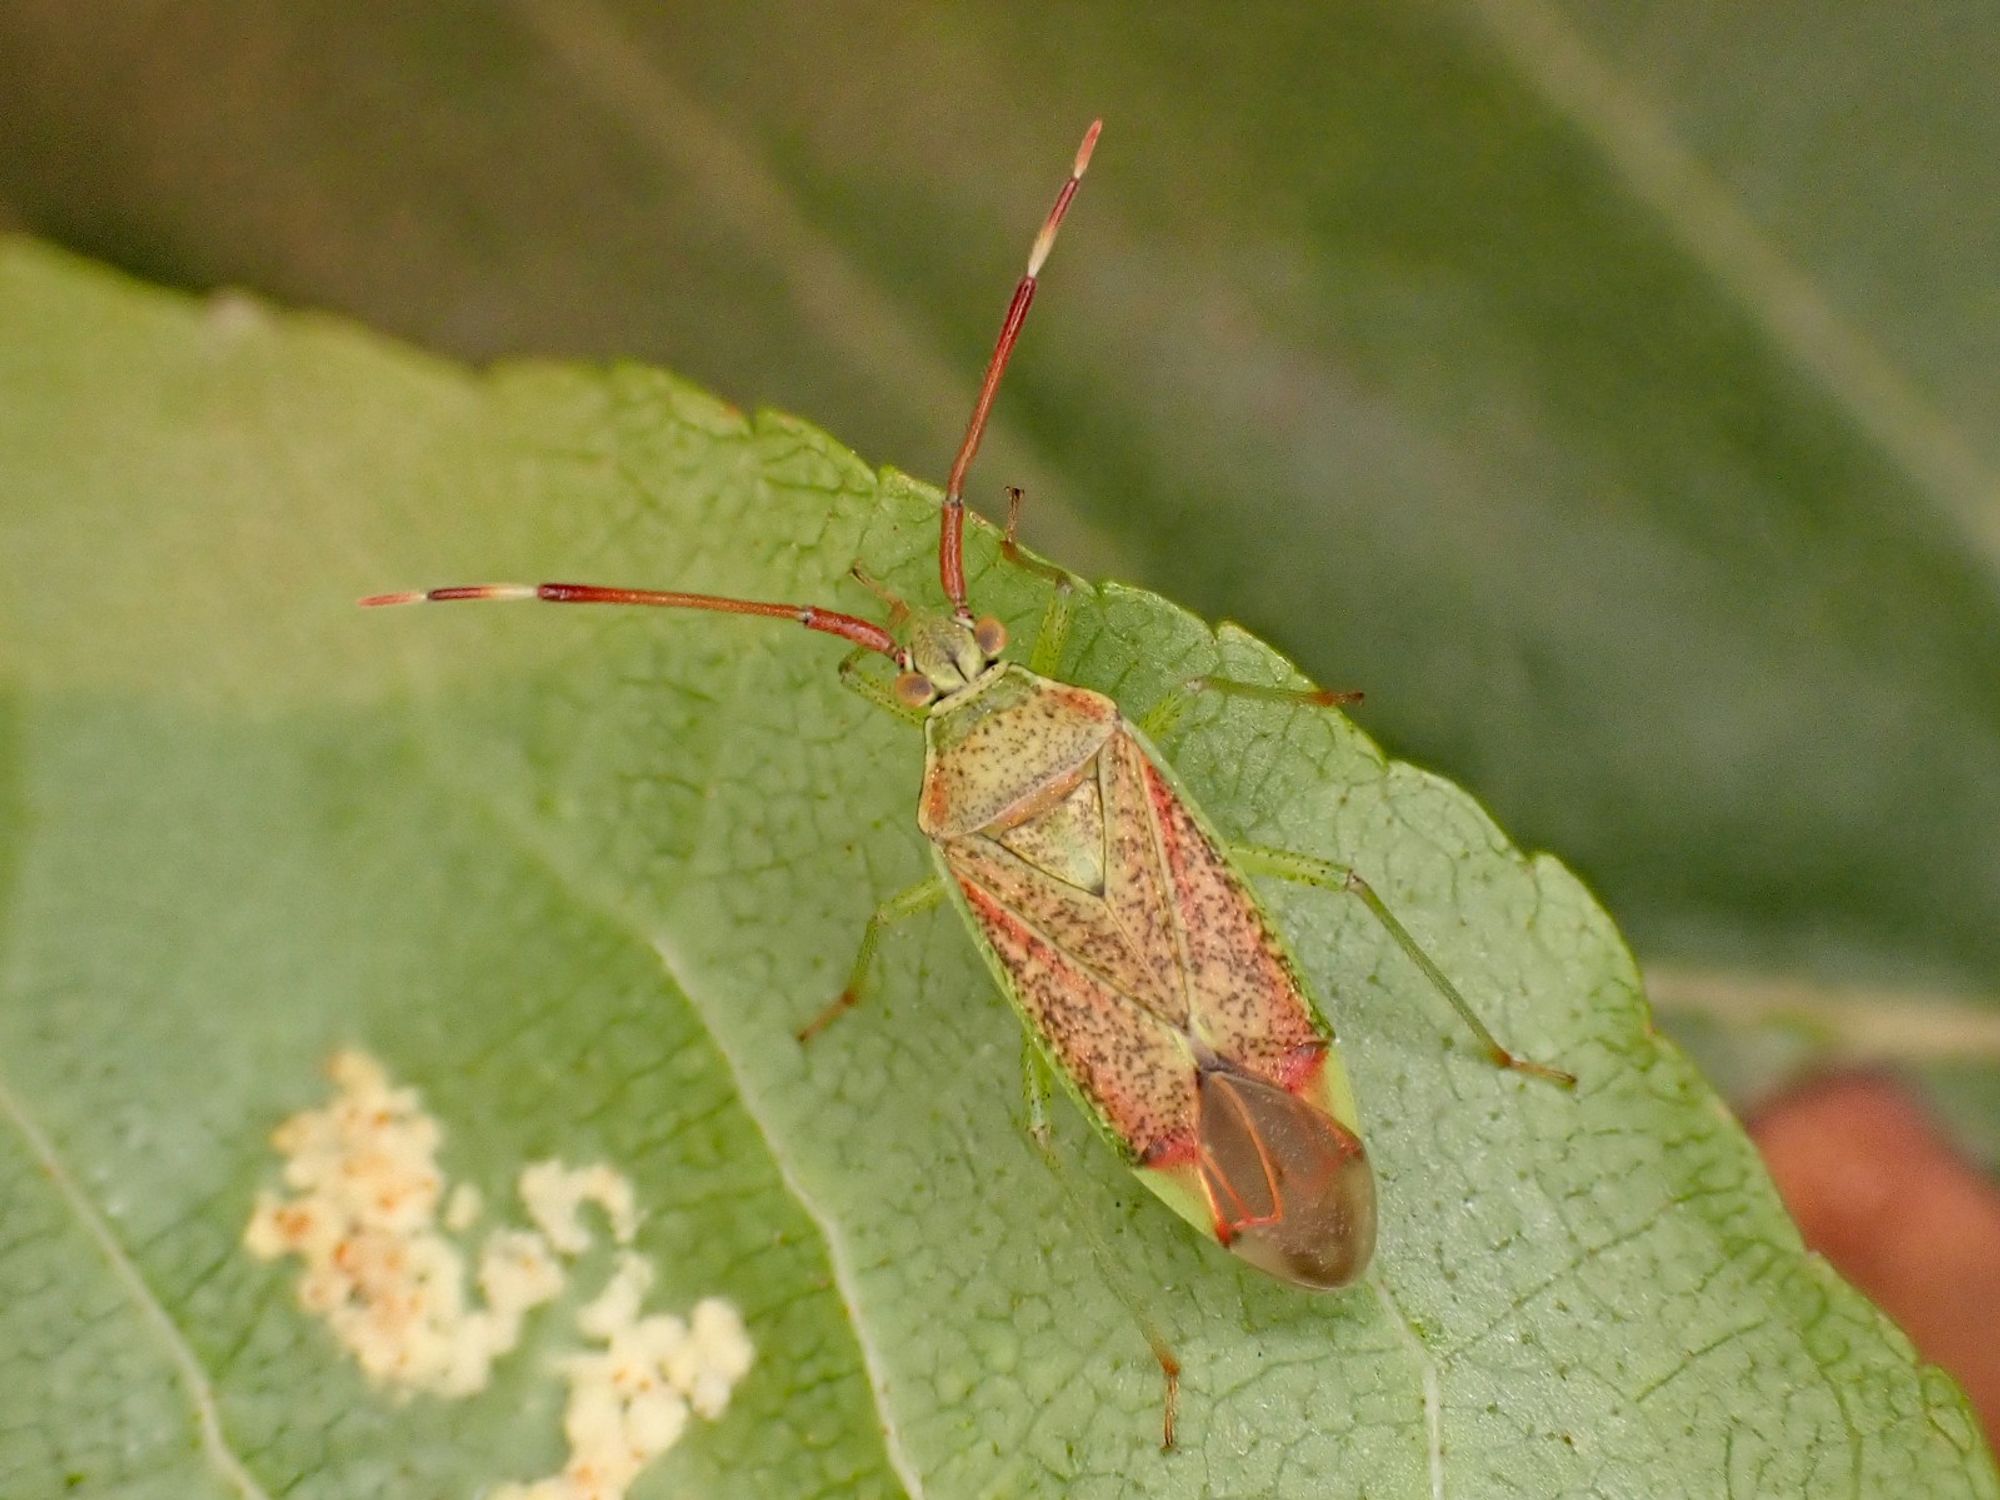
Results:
[1159, 720]
[1018, 555]
[920, 897]
[872, 690]
[1052, 634]
[1053, 631]
[1035, 1087]
[1306, 870]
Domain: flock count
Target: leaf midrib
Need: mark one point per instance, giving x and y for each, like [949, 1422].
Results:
[522, 834]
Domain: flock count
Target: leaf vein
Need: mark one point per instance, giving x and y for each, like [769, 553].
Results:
[194, 1379]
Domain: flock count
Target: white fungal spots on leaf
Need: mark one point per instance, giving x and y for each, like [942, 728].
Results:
[630, 1399]
[362, 1216]
[555, 1194]
[390, 1278]
[462, 1208]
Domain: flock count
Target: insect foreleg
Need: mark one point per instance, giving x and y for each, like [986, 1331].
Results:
[1015, 553]
[1053, 631]
[920, 897]
[1035, 1088]
[1328, 876]
[873, 690]
[1160, 719]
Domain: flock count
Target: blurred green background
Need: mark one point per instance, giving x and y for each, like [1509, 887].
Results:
[1612, 390]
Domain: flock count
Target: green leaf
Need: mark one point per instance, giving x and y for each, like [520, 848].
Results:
[578, 875]
[1606, 388]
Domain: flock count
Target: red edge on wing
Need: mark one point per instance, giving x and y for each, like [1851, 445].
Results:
[1165, 1153]
[1176, 1150]
[1300, 1070]
[1083, 700]
[937, 802]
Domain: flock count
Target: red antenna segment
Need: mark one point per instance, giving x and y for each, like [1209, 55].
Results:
[951, 533]
[863, 633]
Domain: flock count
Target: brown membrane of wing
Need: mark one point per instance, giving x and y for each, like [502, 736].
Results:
[1289, 1185]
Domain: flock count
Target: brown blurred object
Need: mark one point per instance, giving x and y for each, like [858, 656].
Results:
[1878, 1190]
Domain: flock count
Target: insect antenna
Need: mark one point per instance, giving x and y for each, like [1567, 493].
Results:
[951, 535]
[863, 633]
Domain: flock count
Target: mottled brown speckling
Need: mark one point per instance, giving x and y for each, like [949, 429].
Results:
[1014, 739]
[1132, 945]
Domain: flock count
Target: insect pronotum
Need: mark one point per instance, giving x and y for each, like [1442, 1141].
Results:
[1112, 914]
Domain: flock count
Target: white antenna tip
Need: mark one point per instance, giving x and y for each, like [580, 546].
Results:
[1089, 145]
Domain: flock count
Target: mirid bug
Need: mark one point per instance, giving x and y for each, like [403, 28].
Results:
[1112, 915]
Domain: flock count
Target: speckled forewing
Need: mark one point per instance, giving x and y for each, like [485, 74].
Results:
[1245, 1001]
[1133, 947]
[1133, 1066]
[1092, 884]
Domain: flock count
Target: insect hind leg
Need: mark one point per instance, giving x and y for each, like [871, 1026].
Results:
[872, 690]
[1328, 876]
[1035, 1087]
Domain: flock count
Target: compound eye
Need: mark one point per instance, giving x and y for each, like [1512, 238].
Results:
[914, 688]
[990, 636]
